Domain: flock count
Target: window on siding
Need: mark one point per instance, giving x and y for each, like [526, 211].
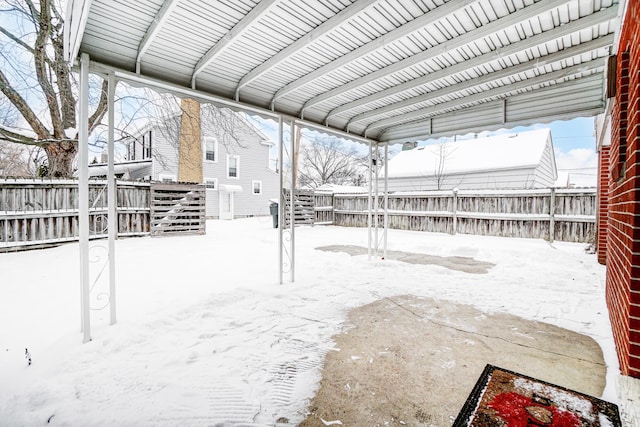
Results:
[131, 150]
[211, 149]
[146, 145]
[256, 187]
[233, 167]
[211, 183]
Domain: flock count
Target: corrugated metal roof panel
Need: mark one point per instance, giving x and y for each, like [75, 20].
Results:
[357, 64]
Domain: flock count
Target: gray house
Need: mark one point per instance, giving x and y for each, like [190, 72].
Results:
[509, 161]
[235, 162]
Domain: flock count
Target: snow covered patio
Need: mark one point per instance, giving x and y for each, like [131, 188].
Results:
[206, 335]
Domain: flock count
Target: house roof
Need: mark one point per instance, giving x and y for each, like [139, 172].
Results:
[506, 151]
[101, 169]
[382, 70]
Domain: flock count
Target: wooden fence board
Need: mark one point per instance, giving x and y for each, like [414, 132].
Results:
[37, 213]
[177, 208]
[552, 214]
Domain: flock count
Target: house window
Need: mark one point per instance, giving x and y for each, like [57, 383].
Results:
[256, 187]
[233, 167]
[211, 184]
[167, 178]
[211, 149]
[146, 145]
[131, 150]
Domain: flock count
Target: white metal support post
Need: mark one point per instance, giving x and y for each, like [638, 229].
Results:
[370, 206]
[376, 202]
[386, 197]
[292, 206]
[281, 201]
[113, 201]
[83, 196]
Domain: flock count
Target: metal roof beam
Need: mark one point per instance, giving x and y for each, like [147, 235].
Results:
[493, 93]
[163, 14]
[479, 60]
[534, 64]
[75, 22]
[570, 100]
[238, 30]
[321, 30]
[163, 86]
[483, 31]
[396, 34]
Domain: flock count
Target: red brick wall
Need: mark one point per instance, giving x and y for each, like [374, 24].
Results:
[603, 204]
[623, 228]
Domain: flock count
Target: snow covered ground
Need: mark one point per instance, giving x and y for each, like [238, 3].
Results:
[206, 335]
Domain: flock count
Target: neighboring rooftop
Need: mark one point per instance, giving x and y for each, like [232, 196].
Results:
[498, 152]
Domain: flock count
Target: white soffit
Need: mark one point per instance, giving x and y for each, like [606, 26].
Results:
[390, 70]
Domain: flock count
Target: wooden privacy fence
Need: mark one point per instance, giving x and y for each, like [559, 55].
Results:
[178, 208]
[303, 208]
[37, 213]
[552, 214]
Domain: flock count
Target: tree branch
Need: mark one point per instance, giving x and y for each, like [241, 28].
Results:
[10, 136]
[16, 40]
[63, 79]
[24, 109]
[40, 61]
[101, 109]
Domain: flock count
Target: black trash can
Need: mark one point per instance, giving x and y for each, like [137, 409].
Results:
[273, 207]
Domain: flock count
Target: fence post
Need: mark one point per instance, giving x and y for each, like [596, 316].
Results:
[552, 210]
[455, 210]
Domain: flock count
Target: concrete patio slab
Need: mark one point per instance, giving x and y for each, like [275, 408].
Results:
[412, 361]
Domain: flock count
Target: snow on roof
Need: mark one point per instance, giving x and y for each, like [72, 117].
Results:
[101, 169]
[503, 151]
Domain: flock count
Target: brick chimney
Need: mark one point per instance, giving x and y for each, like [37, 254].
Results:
[190, 160]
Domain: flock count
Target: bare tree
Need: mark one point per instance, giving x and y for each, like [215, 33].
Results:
[39, 85]
[166, 112]
[443, 152]
[377, 162]
[326, 161]
[14, 160]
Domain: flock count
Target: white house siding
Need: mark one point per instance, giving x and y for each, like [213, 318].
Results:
[254, 161]
[546, 172]
[503, 179]
[253, 153]
[165, 155]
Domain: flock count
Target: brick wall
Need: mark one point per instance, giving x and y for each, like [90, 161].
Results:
[603, 204]
[623, 228]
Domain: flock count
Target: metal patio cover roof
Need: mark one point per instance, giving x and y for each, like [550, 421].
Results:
[389, 70]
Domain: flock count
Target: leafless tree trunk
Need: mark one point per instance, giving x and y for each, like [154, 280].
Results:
[42, 89]
[439, 173]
